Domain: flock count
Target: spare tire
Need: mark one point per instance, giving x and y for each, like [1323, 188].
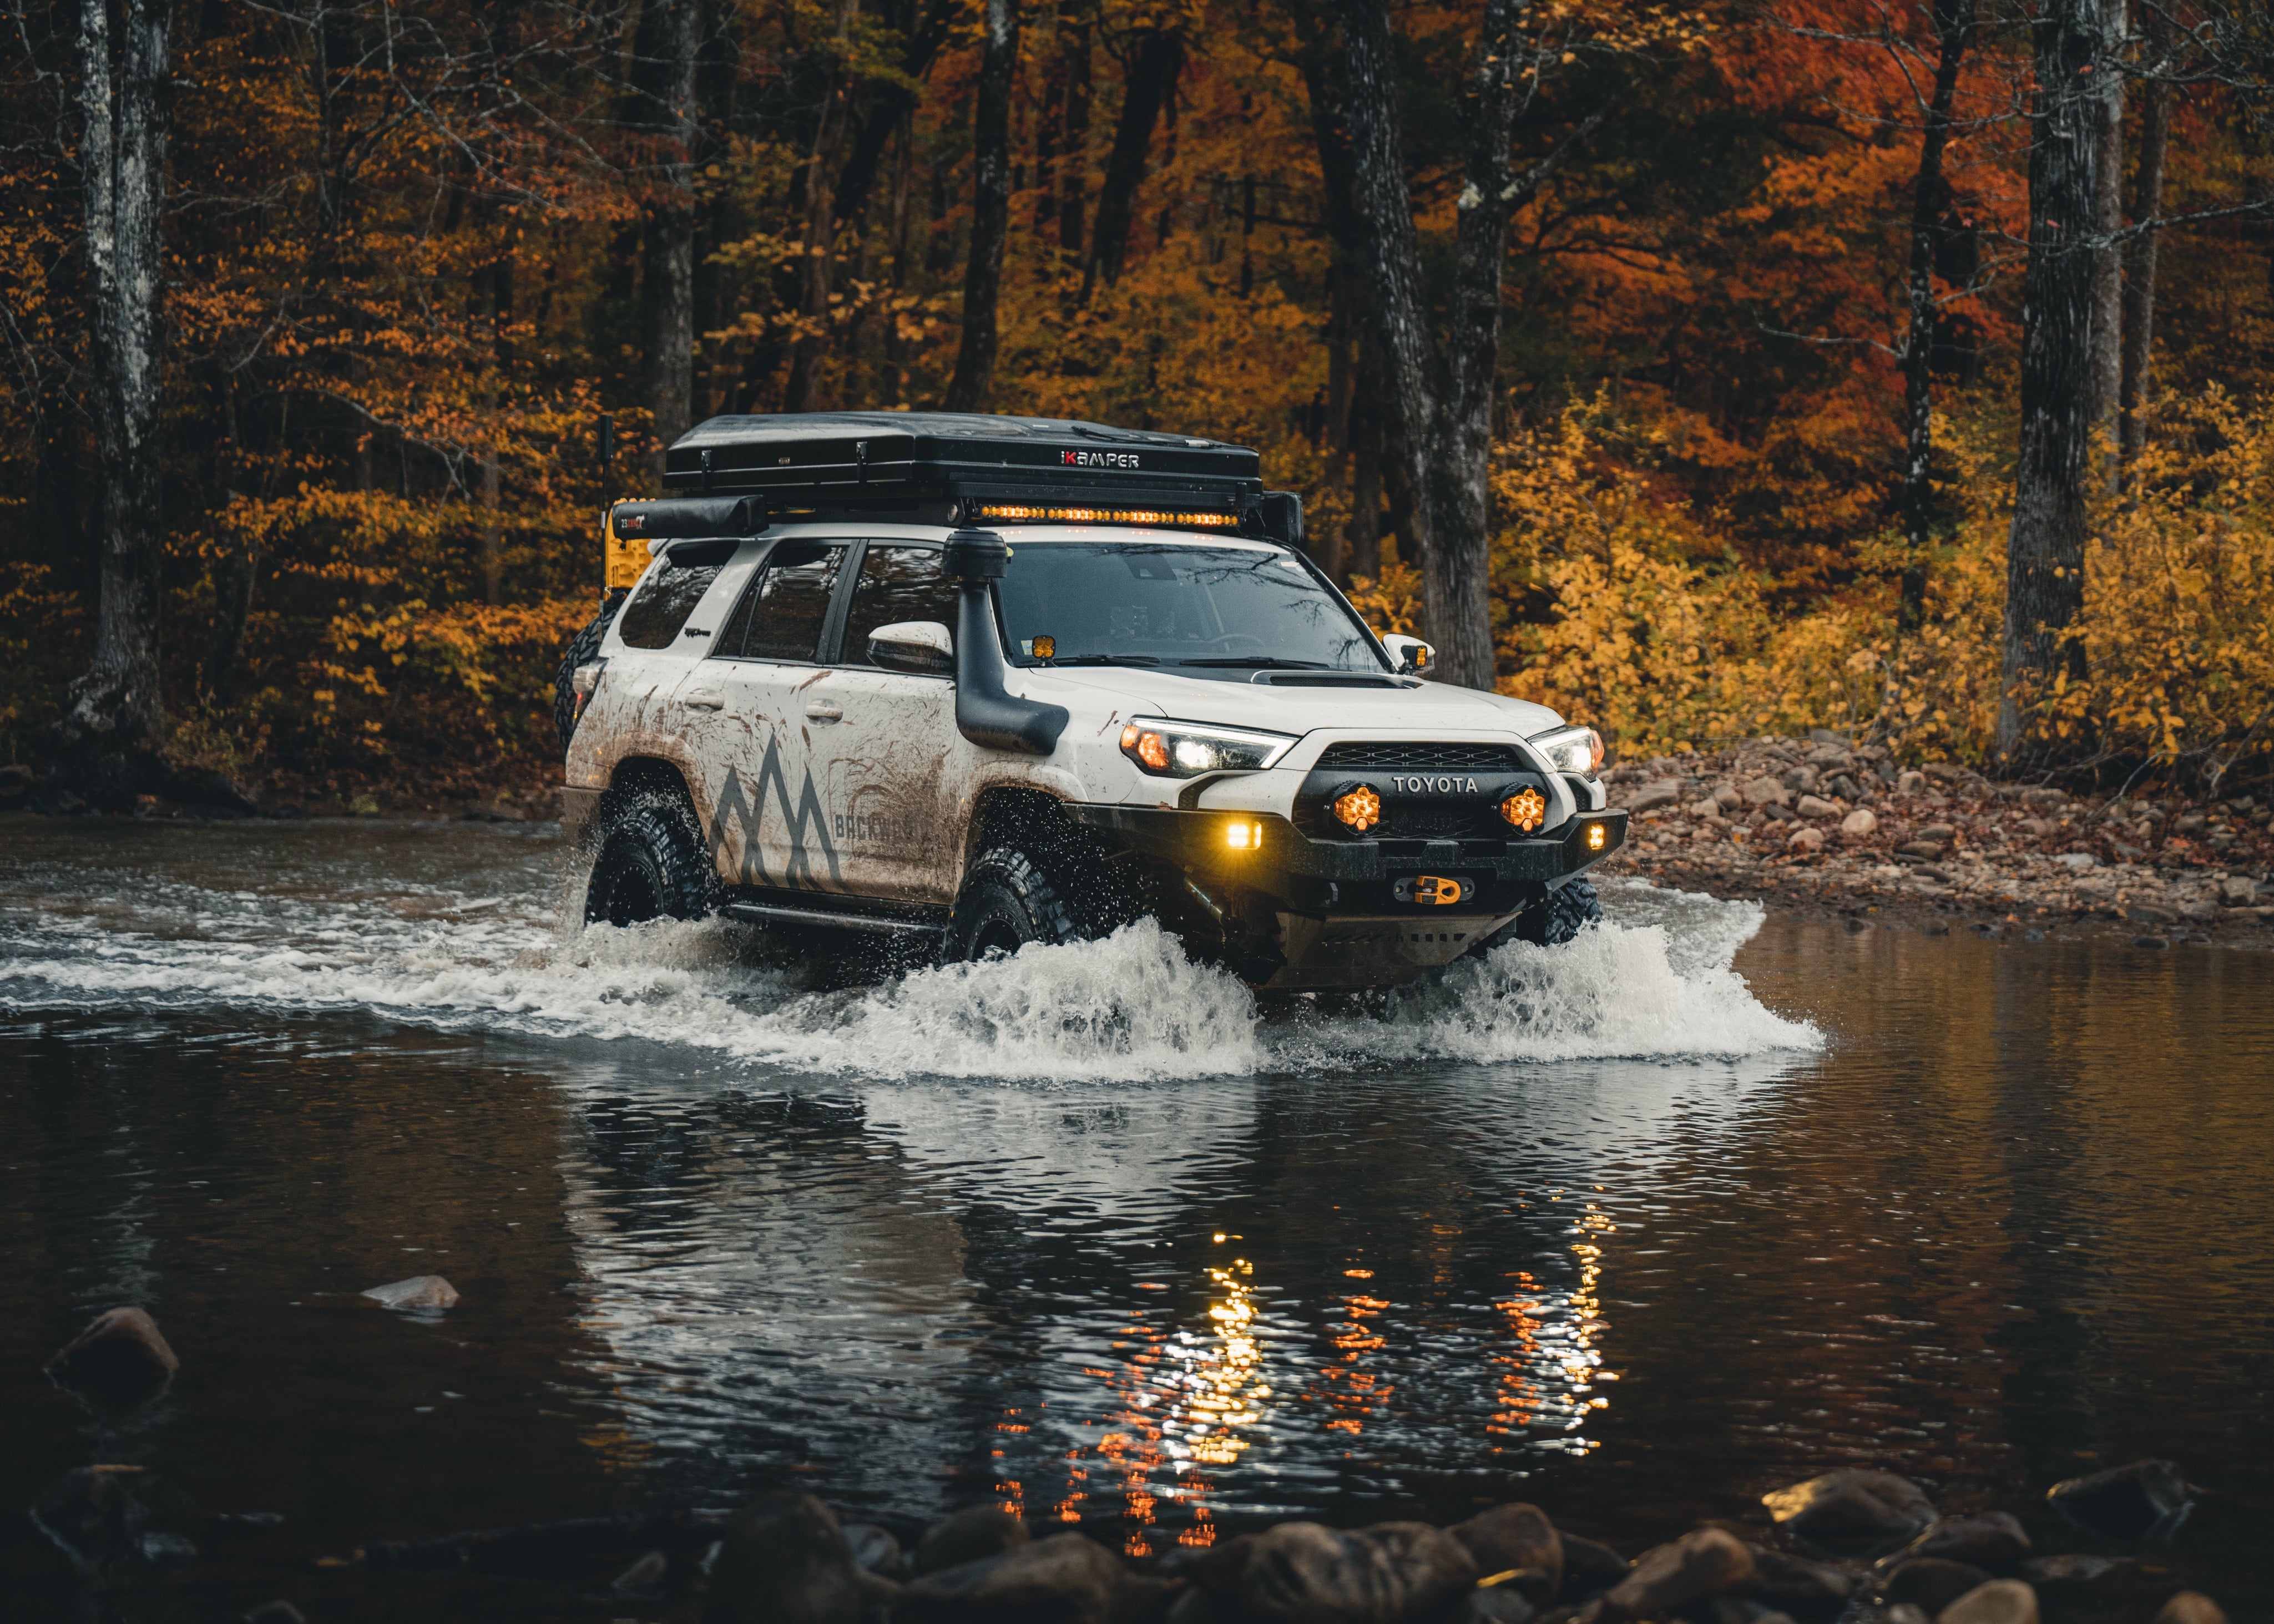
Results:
[583, 647]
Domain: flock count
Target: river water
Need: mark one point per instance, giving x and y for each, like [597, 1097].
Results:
[1637, 1228]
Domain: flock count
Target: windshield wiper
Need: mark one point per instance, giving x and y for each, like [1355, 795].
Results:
[1264, 662]
[1105, 660]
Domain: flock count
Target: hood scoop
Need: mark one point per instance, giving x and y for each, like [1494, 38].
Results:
[1329, 679]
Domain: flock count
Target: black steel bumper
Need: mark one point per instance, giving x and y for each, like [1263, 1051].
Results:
[1358, 876]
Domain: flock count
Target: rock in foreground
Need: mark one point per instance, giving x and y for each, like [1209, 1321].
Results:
[120, 1359]
[430, 1293]
[1301, 1572]
[1701, 1564]
[2002, 1601]
[1066, 1579]
[1851, 1508]
[2125, 1501]
[783, 1560]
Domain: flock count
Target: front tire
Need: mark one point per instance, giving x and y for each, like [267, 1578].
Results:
[1010, 898]
[651, 864]
[1559, 920]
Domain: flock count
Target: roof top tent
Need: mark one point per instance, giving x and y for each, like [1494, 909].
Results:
[954, 468]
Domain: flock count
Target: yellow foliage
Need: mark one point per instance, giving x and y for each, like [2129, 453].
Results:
[1606, 614]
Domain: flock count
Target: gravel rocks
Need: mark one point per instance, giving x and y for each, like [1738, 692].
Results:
[1944, 841]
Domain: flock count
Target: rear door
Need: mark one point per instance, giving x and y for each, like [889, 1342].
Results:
[748, 717]
[884, 752]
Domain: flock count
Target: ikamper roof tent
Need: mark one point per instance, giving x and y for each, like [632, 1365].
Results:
[926, 462]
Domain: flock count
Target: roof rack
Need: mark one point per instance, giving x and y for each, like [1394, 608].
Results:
[952, 467]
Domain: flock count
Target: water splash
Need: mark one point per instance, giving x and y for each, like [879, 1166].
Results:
[495, 950]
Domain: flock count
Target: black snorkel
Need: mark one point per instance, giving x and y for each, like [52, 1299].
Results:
[985, 712]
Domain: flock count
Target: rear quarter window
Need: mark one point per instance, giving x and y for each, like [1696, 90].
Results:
[660, 609]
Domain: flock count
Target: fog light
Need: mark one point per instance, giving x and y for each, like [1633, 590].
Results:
[1357, 808]
[1244, 837]
[1527, 809]
[1596, 835]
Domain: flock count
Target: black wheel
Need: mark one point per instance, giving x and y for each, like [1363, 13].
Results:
[1554, 923]
[1011, 898]
[582, 647]
[651, 864]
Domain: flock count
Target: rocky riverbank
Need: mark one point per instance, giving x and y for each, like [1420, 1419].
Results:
[1819, 823]
[1856, 1546]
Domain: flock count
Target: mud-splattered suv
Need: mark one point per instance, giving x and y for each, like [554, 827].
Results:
[973, 682]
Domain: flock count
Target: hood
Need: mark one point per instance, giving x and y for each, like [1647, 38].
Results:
[1275, 709]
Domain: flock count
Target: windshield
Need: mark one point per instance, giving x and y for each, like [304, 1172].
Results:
[1148, 602]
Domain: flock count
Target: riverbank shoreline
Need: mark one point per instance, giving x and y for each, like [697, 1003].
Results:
[1824, 829]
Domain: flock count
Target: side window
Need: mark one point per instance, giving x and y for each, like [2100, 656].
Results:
[896, 583]
[781, 614]
[653, 617]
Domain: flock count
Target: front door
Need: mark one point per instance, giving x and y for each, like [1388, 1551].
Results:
[886, 756]
[752, 720]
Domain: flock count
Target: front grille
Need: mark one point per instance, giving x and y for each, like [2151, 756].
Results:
[1421, 755]
[1445, 822]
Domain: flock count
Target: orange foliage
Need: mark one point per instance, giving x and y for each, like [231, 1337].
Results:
[403, 283]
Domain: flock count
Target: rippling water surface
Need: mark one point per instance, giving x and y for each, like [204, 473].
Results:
[1638, 1228]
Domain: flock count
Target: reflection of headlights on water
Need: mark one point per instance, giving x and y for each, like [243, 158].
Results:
[1576, 750]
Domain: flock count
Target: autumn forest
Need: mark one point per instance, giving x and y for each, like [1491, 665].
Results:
[1897, 366]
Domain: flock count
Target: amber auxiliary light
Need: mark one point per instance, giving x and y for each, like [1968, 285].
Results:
[1527, 809]
[1358, 807]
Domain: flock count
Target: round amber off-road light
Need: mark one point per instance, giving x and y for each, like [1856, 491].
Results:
[1526, 808]
[1358, 809]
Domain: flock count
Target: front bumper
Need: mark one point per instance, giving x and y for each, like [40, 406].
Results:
[1333, 913]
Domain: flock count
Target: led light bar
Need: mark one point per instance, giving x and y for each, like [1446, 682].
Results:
[1109, 515]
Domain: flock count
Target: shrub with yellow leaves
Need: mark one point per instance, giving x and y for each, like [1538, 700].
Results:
[1619, 608]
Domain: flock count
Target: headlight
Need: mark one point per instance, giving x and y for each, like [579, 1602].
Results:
[1186, 750]
[1577, 750]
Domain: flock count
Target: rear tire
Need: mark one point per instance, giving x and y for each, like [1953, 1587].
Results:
[1553, 923]
[651, 864]
[582, 649]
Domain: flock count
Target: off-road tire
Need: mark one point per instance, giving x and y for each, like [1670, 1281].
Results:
[1554, 923]
[651, 863]
[582, 648]
[1012, 897]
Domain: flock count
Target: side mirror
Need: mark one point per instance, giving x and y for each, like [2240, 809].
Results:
[1412, 655]
[923, 647]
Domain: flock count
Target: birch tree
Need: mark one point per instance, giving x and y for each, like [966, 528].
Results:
[111, 726]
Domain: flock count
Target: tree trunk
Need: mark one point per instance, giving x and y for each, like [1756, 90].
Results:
[1953, 23]
[888, 113]
[111, 724]
[1353, 447]
[2044, 557]
[1152, 73]
[664, 53]
[2139, 274]
[991, 211]
[811, 345]
[1444, 400]
[2108, 220]
[1074, 137]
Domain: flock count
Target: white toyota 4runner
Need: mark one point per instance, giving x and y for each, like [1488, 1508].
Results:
[973, 683]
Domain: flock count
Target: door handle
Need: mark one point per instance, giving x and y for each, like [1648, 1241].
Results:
[822, 711]
[705, 699]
